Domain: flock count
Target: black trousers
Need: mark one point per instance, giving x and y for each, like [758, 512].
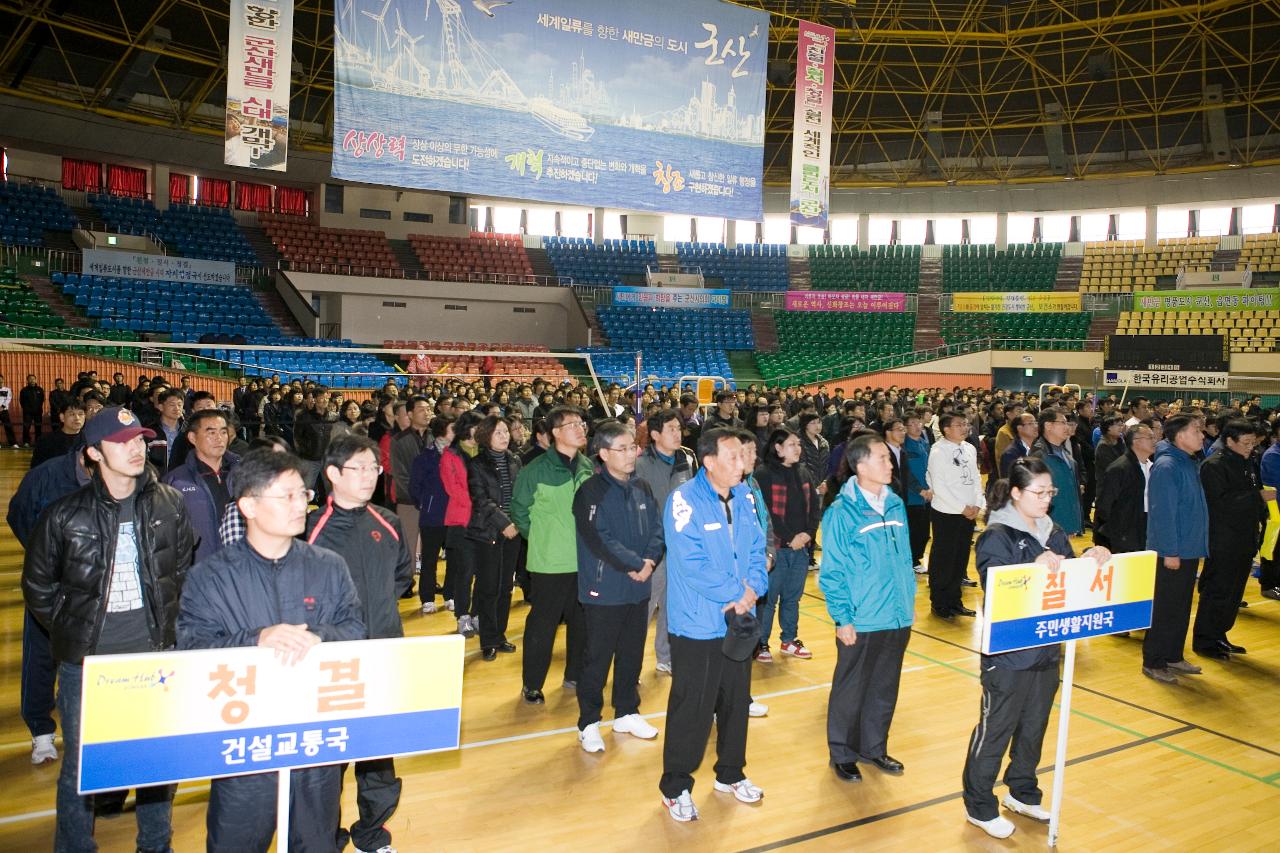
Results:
[1170, 614]
[377, 796]
[460, 557]
[522, 568]
[918, 528]
[7, 420]
[432, 539]
[242, 811]
[1015, 710]
[1269, 577]
[555, 598]
[706, 686]
[39, 675]
[29, 421]
[949, 557]
[864, 694]
[615, 635]
[1222, 586]
[495, 564]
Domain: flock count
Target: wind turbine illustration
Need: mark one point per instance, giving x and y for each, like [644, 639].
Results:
[380, 18]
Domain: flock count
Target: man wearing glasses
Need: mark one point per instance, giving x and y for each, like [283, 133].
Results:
[619, 544]
[542, 510]
[956, 491]
[273, 590]
[371, 542]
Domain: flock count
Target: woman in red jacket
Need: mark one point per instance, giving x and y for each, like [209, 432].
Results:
[460, 551]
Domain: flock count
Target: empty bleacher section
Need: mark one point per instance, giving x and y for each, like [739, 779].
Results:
[456, 258]
[206, 232]
[612, 365]
[675, 342]
[813, 341]
[1032, 330]
[21, 309]
[586, 263]
[751, 267]
[175, 308]
[980, 268]
[29, 210]
[311, 248]
[884, 269]
[468, 360]
[339, 370]
[1121, 266]
[1261, 252]
[1247, 331]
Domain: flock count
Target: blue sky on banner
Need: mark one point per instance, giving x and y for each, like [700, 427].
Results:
[641, 106]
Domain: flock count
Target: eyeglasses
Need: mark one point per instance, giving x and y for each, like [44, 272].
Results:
[1042, 493]
[630, 448]
[363, 469]
[572, 425]
[301, 496]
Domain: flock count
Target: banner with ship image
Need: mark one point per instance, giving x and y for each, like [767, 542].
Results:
[655, 106]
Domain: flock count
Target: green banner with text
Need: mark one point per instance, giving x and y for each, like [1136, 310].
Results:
[1239, 299]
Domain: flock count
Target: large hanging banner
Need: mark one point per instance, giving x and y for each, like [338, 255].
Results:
[111, 262]
[811, 131]
[1251, 299]
[839, 300]
[1014, 303]
[259, 59]
[671, 297]
[641, 106]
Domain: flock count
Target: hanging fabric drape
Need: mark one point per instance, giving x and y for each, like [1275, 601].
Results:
[179, 188]
[252, 196]
[293, 201]
[126, 181]
[81, 175]
[215, 192]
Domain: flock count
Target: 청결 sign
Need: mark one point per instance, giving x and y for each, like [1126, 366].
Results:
[1027, 605]
[158, 718]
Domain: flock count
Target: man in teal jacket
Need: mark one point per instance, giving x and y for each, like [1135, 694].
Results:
[867, 580]
[542, 510]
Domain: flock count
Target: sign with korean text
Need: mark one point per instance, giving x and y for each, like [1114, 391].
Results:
[811, 129]
[1014, 303]
[1166, 379]
[1027, 605]
[153, 719]
[1240, 299]
[655, 106]
[259, 60]
[838, 300]
[671, 297]
[118, 264]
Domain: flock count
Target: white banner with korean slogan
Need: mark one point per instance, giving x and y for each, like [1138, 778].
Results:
[259, 59]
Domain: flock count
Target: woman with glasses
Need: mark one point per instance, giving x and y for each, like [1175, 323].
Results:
[491, 476]
[1018, 687]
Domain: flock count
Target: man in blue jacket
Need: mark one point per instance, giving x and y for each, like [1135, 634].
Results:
[202, 478]
[1269, 577]
[870, 591]
[619, 532]
[715, 564]
[1178, 531]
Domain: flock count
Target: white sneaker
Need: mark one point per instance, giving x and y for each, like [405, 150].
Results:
[590, 738]
[1025, 809]
[448, 604]
[663, 667]
[634, 724]
[998, 827]
[42, 749]
[758, 709]
[386, 848]
[428, 608]
[919, 569]
[743, 792]
[681, 808]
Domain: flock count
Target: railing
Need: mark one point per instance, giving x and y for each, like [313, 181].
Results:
[285, 265]
[93, 227]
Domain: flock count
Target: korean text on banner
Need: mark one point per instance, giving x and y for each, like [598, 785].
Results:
[833, 300]
[1242, 299]
[1027, 605]
[653, 106]
[671, 297]
[153, 719]
[111, 262]
[811, 130]
[259, 61]
[1014, 303]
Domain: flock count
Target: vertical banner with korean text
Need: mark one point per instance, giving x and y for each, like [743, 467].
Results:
[259, 59]
[811, 133]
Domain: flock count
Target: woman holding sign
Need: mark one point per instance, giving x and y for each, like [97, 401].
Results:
[1018, 687]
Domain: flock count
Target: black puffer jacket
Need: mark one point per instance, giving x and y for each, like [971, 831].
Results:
[488, 516]
[67, 572]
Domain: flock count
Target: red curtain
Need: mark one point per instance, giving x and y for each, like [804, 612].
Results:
[81, 175]
[215, 192]
[293, 201]
[126, 181]
[179, 188]
[252, 196]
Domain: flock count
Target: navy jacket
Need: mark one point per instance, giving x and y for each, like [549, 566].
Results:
[205, 517]
[619, 526]
[41, 486]
[427, 489]
[1177, 516]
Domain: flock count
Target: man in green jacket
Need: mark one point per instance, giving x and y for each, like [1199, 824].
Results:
[870, 590]
[542, 509]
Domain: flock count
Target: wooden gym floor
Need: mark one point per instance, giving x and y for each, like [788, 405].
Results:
[1153, 767]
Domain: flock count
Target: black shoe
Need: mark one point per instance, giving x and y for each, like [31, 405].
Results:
[408, 593]
[1244, 604]
[506, 647]
[888, 764]
[943, 614]
[1214, 652]
[848, 771]
[961, 610]
[489, 653]
[968, 582]
[1232, 648]
[533, 697]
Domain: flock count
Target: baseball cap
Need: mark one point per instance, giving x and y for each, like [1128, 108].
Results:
[115, 424]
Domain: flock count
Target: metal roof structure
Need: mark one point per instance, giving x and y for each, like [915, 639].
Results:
[928, 92]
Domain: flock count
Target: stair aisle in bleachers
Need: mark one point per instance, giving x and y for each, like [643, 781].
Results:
[928, 323]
